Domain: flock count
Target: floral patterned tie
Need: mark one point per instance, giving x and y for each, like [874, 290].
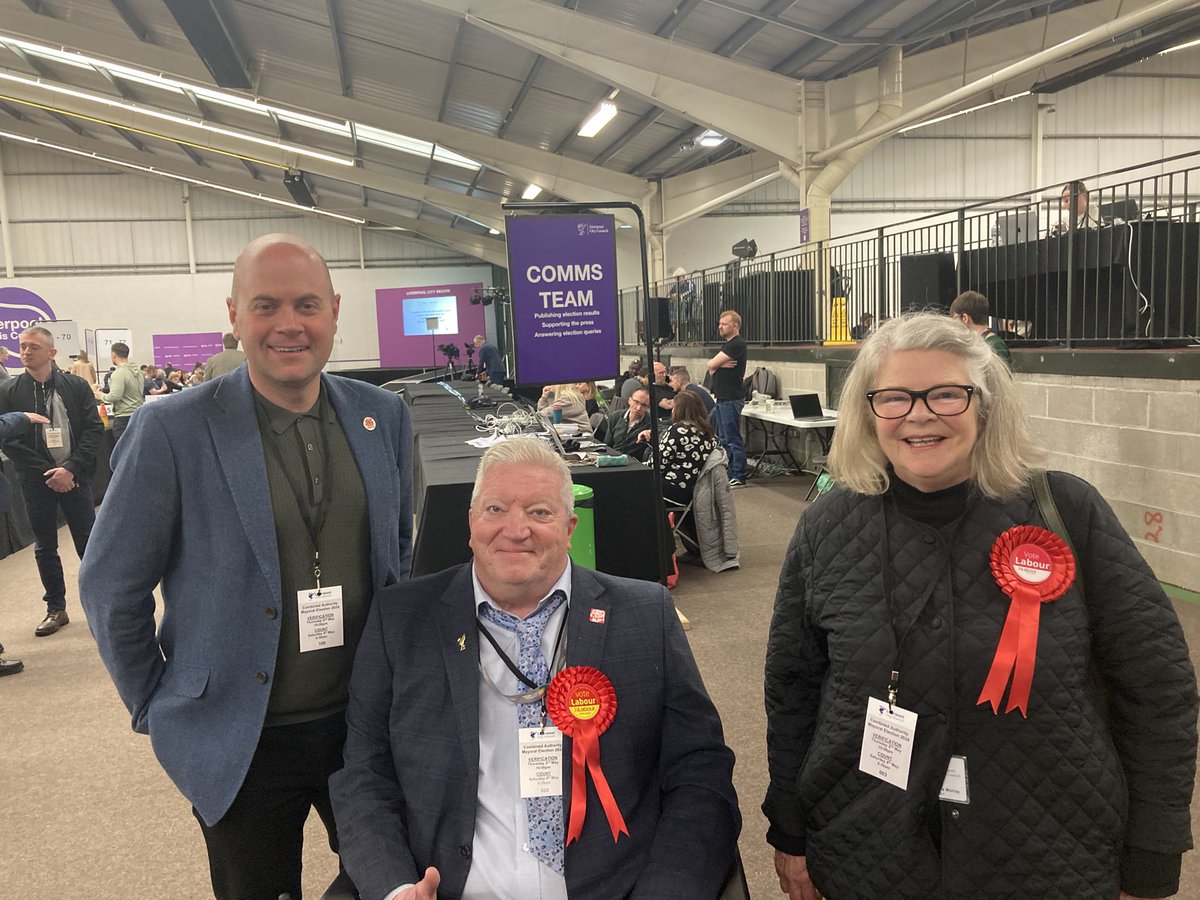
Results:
[545, 814]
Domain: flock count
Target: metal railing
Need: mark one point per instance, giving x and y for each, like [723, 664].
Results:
[1124, 269]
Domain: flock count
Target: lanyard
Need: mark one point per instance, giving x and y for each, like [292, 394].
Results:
[889, 594]
[535, 692]
[313, 523]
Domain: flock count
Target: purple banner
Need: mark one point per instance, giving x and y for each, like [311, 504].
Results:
[563, 271]
[183, 351]
[20, 309]
[414, 321]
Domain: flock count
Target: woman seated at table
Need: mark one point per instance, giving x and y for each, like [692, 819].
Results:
[591, 397]
[684, 447]
[566, 398]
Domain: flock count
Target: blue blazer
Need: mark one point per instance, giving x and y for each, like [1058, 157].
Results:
[406, 798]
[189, 506]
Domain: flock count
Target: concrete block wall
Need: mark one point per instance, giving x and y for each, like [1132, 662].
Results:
[1138, 441]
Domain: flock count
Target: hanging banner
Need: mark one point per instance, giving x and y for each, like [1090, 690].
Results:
[563, 272]
[21, 309]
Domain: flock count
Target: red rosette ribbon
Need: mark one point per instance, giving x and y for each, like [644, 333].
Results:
[1033, 566]
[581, 702]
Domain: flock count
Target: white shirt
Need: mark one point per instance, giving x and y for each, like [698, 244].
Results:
[502, 865]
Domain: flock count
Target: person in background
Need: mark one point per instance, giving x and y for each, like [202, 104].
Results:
[456, 668]
[866, 324]
[568, 400]
[622, 427]
[4, 373]
[593, 400]
[197, 376]
[267, 567]
[683, 447]
[174, 382]
[126, 391]
[681, 380]
[971, 309]
[1082, 211]
[728, 368]
[631, 379]
[54, 461]
[12, 424]
[903, 763]
[491, 363]
[226, 361]
[683, 305]
[82, 368]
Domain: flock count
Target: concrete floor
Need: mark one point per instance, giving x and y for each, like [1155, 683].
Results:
[87, 811]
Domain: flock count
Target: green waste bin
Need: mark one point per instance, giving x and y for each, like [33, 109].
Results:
[583, 541]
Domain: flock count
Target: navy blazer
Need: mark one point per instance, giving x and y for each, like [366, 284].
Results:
[406, 798]
[189, 506]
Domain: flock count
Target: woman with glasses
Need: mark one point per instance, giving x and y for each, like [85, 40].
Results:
[968, 696]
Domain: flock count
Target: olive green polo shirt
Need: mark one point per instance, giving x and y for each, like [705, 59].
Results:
[312, 685]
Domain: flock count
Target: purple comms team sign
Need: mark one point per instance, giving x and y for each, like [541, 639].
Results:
[563, 275]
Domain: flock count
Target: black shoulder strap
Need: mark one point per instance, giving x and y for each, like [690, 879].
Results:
[1049, 510]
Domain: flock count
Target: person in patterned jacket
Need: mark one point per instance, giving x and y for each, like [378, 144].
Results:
[903, 764]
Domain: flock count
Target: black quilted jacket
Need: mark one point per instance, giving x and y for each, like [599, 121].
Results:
[1056, 800]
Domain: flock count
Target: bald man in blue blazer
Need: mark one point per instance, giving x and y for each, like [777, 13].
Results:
[270, 505]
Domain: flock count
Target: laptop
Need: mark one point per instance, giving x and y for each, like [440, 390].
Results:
[1016, 226]
[807, 408]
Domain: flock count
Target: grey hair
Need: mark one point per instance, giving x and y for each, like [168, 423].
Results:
[526, 451]
[1003, 455]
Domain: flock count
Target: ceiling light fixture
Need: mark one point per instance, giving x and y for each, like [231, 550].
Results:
[1195, 43]
[710, 139]
[531, 192]
[341, 127]
[963, 112]
[601, 116]
[171, 117]
[151, 170]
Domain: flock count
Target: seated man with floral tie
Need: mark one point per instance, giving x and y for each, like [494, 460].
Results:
[520, 726]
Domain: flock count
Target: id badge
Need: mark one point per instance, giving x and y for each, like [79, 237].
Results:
[54, 437]
[541, 755]
[321, 618]
[955, 786]
[888, 742]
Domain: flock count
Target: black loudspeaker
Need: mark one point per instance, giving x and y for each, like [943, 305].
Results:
[927, 282]
[662, 319]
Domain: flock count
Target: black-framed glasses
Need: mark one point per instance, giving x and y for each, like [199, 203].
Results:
[941, 400]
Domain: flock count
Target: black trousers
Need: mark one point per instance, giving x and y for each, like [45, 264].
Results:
[42, 505]
[256, 851]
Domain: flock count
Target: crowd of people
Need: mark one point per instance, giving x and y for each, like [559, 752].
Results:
[974, 684]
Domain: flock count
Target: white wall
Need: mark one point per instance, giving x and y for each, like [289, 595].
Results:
[168, 304]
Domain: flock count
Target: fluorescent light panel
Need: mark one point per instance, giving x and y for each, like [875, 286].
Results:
[150, 170]
[710, 138]
[1195, 43]
[963, 112]
[342, 128]
[531, 192]
[601, 116]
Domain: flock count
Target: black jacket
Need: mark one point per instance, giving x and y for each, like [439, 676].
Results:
[1065, 803]
[28, 451]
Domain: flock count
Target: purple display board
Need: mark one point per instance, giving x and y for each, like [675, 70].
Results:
[563, 272]
[20, 309]
[183, 351]
[413, 321]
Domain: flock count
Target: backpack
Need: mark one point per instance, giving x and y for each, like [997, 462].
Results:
[763, 381]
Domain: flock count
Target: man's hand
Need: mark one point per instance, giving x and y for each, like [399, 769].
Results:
[96, 392]
[793, 877]
[425, 889]
[60, 479]
[37, 419]
[643, 436]
[729, 364]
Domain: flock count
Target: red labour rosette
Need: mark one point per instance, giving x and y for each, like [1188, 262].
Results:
[581, 702]
[1033, 566]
